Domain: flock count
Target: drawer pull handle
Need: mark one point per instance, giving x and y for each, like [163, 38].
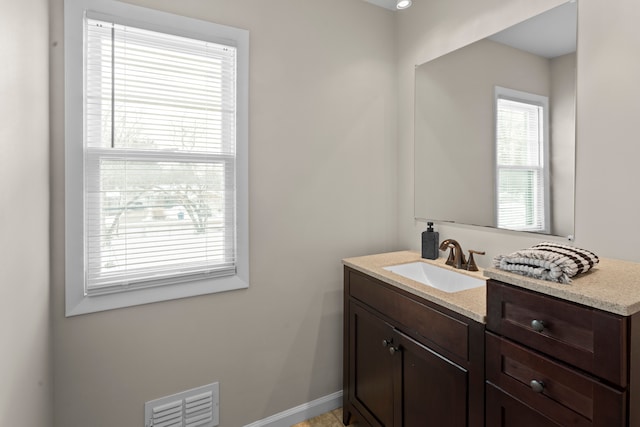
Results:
[393, 350]
[386, 343]
[537, 386]
[537, 325]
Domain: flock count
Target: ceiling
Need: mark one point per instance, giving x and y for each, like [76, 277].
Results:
[387, 4]
[550, 34]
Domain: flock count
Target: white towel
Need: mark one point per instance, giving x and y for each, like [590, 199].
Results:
[548, 261]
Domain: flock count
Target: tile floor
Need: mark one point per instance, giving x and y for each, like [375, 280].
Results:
[330, 419]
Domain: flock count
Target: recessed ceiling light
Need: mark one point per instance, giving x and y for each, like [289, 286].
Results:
[403, 4]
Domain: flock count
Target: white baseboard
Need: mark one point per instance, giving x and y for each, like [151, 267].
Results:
[302, 412]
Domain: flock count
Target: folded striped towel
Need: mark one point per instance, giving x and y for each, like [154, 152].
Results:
[548, 261]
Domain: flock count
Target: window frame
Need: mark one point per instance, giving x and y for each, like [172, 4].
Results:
[543, 102]
[77, 301]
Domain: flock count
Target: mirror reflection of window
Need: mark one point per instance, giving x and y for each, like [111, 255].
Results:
[522, 165]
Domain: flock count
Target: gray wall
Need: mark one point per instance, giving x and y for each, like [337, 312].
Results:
[25, 374]
[322, 187]
[607, 201]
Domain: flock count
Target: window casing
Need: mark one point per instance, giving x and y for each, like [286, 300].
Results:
[156, 156]
[522, 161]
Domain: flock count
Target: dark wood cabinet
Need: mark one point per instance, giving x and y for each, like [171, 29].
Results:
[590, 339]
[541, 361]
[409, 362]
[550, 362]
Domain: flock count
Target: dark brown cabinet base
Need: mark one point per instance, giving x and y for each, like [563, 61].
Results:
[551, 362]
[409, 362]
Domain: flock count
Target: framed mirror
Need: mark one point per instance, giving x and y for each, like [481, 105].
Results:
[495, 129]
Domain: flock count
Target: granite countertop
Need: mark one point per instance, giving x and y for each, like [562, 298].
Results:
[471, 303]
[612, 285]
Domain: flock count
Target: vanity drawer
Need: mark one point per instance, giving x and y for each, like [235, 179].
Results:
[562, 394]
[448, 334]
[589, 339]
[504, 410]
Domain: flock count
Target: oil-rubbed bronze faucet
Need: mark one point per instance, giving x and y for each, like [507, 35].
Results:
[456, 254]
[456, 257]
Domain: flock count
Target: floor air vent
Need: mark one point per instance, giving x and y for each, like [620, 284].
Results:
[197, 407]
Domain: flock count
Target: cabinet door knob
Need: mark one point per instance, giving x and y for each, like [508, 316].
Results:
[537, 325]
[537, 386]
[393, 350]
[386, 343]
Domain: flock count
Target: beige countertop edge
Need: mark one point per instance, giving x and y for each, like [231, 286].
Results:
[470, 303]
[612, 286]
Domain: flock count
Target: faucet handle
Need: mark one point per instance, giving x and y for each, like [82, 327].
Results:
[471, 264]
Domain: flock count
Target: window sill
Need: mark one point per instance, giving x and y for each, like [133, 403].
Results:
[82, 304]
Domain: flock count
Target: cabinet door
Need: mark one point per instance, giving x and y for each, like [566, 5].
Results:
[371, 367]
[505, 411]
[434, 390]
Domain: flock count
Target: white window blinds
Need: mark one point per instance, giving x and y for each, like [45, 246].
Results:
[520, 169]
[159, 153]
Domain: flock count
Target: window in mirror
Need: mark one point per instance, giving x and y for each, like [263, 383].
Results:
[522, 188]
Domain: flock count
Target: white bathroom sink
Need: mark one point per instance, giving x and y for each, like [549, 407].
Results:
[436, 277]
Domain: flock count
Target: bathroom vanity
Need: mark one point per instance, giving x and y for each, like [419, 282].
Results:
[550, 354]
[408, 358]
[564, 355]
